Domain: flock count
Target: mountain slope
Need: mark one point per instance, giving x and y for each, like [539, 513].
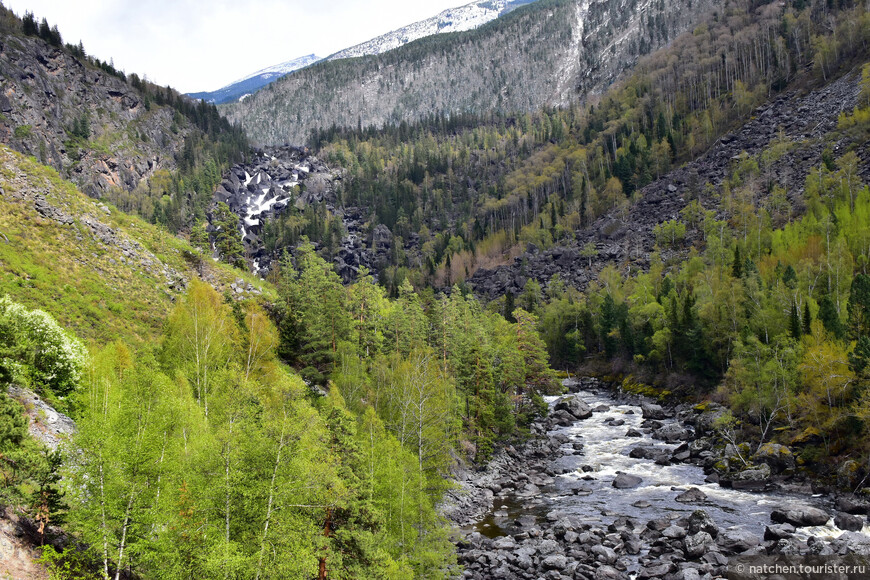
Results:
[547, 53]
[103, 274]
[118, 137]
[458, 19]
[239, 89]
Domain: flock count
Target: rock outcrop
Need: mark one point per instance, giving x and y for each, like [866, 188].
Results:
[45, 92]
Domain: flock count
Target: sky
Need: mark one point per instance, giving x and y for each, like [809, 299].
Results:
[203, 45]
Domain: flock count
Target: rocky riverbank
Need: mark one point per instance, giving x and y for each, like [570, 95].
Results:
[615, 486]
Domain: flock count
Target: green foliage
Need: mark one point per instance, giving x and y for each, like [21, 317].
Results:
[37, 352]
[228, 240]
[22, 131]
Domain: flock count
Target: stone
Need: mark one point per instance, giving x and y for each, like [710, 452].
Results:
[691, 495]
[575, 406]
[604, 554]
[654, 570]
[778, 457]
[853, 505]
[800, 516]
[548, 547]
[755, 479]
[633, 433]
[779, 531]
[848, 474]
[738, 541]
[653, 411]
[504, 543]
[696, 545]
[671, 433]
[626, 481]
[555, 562]
[849, 522]
[700, 521]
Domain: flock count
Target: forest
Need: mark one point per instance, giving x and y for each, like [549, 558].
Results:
[471, 191]
[207, 455]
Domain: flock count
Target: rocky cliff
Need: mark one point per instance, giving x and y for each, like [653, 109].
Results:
[91, 126]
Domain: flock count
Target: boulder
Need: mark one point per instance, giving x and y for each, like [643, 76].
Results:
[633, 433]
[778, 532]
[800, 516]
[691, 495]
[626, 481]
[671, 433]
[696, 545]
[753, 479]
[849, 522]
[653, 411]
[555, 562]
[848, 474]
[575, 406]
[778, 457]
[738, 541]
[700, 521]
[853, 505]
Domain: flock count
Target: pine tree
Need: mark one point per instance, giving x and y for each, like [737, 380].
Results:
[737, 265]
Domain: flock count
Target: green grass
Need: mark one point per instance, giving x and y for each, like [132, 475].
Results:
[78, 279]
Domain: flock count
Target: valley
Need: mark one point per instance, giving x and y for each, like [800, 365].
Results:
[314, 333]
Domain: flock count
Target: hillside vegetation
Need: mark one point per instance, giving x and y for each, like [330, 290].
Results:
[199, 449]
[103, 274]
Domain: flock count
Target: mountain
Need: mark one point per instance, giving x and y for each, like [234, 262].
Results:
[547, 53]
[243, 87]
[116, 136]
[458, 19]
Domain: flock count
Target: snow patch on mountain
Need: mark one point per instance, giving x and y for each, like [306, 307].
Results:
[459, 19]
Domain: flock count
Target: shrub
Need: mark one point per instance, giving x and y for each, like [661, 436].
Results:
[37, 351]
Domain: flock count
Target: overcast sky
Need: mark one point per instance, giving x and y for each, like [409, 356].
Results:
[199, 45]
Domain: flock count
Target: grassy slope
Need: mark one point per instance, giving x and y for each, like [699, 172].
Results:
[90, 286]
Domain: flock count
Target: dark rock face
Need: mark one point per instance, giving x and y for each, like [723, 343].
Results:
[45, 90]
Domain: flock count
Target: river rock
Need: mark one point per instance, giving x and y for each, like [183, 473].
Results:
[751, 479]
[853, 505]
[779, 531]
[849, 522]
[633, 433]
[800, 516]
[626, 481]
[696, 545]
[504, 543]
[738, 541]
[778, 457]
[575, 406]
[555, 562]
[700, 521]
[687, 574]
[654, 570]
[653, 411]
[691, 495]
[671, 432]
